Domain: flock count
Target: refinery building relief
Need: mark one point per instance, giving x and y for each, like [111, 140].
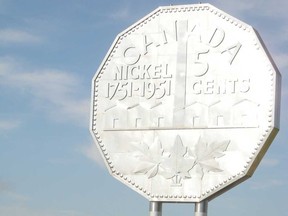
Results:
[242, 114]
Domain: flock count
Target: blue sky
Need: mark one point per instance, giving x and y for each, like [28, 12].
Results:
[49, 165]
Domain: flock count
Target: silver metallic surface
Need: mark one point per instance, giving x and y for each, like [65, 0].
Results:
[185, 104]
[155, 209]
[201, 208]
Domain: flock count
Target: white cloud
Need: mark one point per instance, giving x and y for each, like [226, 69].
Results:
[8, 125]
[266, 184]
[6, 65]
[7, 190]
[4, 186]
[235, 8]
[92, 153]
[19, 204]
[235, 5]
[271, 8]
[25, 210]
[122, 13]
[269, 162]
[57, 93]
[259, 7]
[8, 36]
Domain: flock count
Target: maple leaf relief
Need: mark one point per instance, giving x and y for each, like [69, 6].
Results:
[206, 154]
[178, 165]
[151, 158]
[178, 162]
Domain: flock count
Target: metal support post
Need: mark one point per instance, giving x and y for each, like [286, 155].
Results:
[201, 208]
[155, 209]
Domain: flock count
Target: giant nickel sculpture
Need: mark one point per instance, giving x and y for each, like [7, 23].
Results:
[185, 104]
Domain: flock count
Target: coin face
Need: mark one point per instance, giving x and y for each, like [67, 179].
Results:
[185, 104]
